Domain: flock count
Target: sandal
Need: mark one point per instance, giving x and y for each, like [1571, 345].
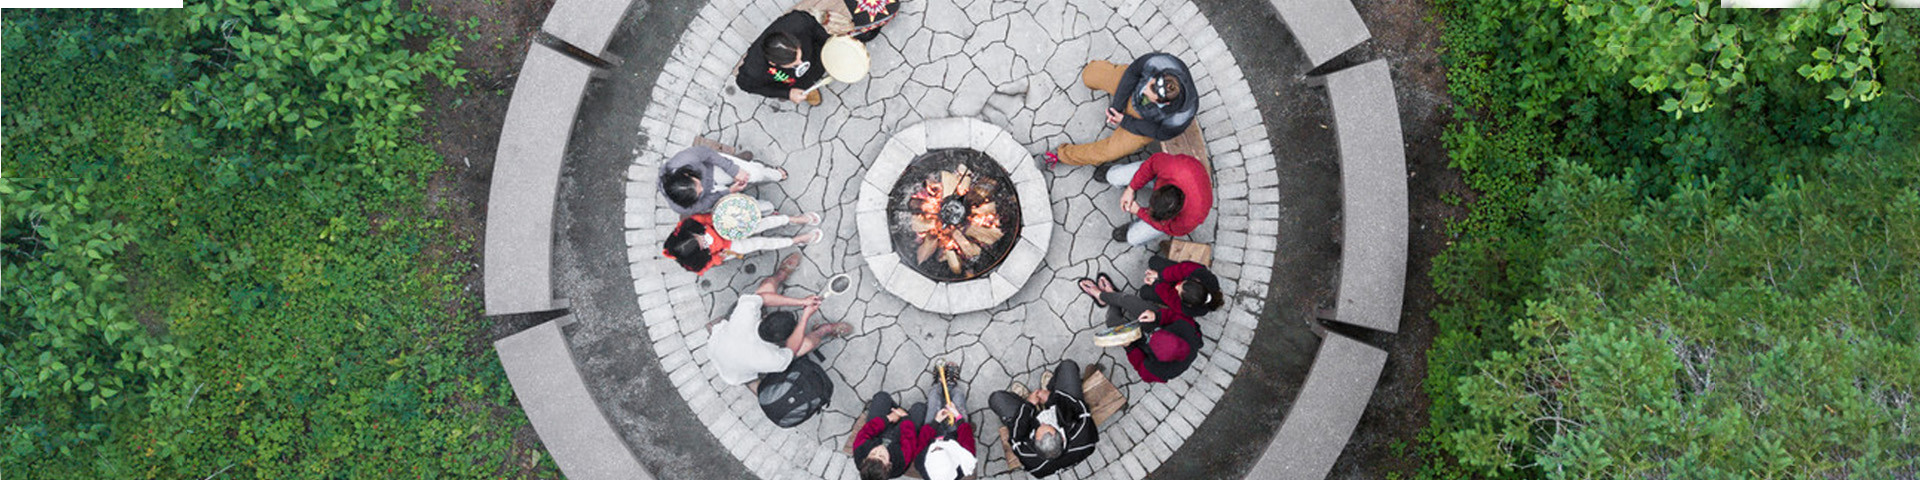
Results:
[814, 236]
[783, 173]
[1051, 159]
[837, 329]
[1106, 283]
[1092, 289]
[813, 218]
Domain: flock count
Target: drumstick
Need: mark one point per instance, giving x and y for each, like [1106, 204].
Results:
[943, 390]
[823, 82]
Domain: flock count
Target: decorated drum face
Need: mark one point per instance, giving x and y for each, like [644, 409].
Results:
[845, 58]
[735, 215]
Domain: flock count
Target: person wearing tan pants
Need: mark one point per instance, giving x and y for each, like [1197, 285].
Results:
[1151, 102]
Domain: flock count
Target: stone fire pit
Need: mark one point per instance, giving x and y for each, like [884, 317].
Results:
[954, 216]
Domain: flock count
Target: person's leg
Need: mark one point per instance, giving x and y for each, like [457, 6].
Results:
[1005, 405]
[1066, 379]
[1123, 308]
[756, 173]
[918, 410]
[1118, 144]
[749, 245]
[1140, 233]
[1122, 175]
[879, 405]
[1102, 75]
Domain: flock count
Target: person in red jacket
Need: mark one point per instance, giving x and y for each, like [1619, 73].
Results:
[950, 453]
[890, 440]
[1182, 196]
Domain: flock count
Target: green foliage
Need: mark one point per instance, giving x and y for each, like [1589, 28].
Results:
[1709, 336]
[1611, 88]
[316, 306]
[74, 358]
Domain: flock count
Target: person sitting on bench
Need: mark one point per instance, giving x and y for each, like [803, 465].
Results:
[1153, 100]
[748, 344]
[950, 453]
[785, 60]
[1181, 198]
[1052, 429]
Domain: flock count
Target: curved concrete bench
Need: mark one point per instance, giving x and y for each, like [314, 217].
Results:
[1373, 184]
[1324, 414]
[1323, 28]
[540, 366]
[518, 256]
[586, 24]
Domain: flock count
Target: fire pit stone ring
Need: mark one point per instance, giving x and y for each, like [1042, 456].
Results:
[876, 228]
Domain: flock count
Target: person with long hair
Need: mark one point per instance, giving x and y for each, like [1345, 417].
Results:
[694, 179]
[698, 247]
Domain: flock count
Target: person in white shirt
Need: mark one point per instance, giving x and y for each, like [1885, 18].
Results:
[747, 343]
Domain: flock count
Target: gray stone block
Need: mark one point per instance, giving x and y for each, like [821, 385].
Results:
[1324, 414]
[1324, 28]
[1373, 184]
[540, 367]
[587, 24]
[526, 178]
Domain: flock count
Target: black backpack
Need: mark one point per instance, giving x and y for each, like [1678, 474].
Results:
[793, 396]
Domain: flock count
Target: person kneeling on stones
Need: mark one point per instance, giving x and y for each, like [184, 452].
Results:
[1188, 284]
[694, 179]
[1052, 429]
[950, 452]
[1182, 196]
[697, 246]
[746, 343]
[890, 440]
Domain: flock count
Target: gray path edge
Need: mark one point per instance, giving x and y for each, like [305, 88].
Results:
[547, 381]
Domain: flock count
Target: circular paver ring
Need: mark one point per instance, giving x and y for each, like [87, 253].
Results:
[876, 240]
[1011, 64]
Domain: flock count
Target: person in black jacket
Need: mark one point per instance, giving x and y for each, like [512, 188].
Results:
[1051, 429]
[1154, 99]
[785, 61]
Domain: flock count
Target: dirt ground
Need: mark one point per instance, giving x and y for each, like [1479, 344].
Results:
[463, 124]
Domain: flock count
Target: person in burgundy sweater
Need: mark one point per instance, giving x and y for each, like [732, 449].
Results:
[1165, 348]
[890, 440]
[1181, 198]
[1189, 285]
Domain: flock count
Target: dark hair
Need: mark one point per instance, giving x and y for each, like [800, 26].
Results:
[1050, 445]
[1195, 295]
[1170, 88]
[780, 48]
[871, 469]
[1166, 202]
[776, 326]
[682, 186]
[683, 245]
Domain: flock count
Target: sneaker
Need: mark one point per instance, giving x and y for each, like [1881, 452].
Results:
[1018, 389]
[1100, 172]
[1120, 232]
[1046, 379]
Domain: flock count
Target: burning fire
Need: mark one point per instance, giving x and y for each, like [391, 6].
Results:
[957, 237]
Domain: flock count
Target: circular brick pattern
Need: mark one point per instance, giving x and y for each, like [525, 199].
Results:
[1014, 65]
[876, 241]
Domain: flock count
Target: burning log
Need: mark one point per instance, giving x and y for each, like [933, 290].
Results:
[927, 247]
[984, 235]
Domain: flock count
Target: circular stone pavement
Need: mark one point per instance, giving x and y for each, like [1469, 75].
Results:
[1014, 65]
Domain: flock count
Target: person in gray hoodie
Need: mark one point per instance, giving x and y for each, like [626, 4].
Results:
[694, 179]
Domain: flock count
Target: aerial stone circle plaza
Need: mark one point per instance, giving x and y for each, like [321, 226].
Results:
[999, 77]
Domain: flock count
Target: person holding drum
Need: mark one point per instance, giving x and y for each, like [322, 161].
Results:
[703, 241]
[1160, 340]
[696, 178]
[785, 61]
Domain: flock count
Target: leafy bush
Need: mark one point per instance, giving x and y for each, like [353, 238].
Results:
[310, 288]
[1656, 99]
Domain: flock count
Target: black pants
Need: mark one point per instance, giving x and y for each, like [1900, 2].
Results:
[1066, 380]
[1123, 308]
[882, 403]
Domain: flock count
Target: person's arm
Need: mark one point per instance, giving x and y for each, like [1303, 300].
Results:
[713, 159]
[754, 78]
[965, 433]
[775, 299]
[1128, 87]
[798, 339]
[873, 427]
